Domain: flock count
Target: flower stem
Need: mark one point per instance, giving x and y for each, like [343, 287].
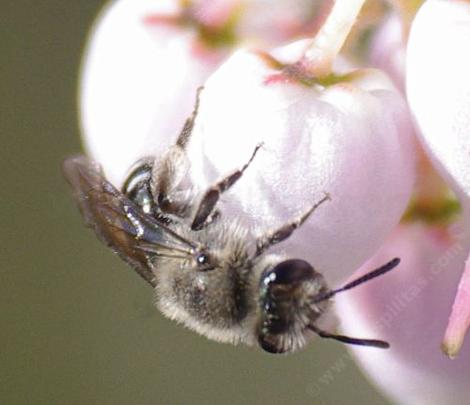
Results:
[318, 58]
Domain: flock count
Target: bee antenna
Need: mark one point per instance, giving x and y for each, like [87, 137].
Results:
[380, 344]
[366, 277]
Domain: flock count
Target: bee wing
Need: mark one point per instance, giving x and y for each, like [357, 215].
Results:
[118, 222]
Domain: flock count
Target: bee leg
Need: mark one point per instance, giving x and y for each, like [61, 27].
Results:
[167, 175]
[273, 237]
[169, 171]
[187, 130]
[212, 195]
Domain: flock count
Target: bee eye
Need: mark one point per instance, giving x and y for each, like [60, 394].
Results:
[202, 259]
[204, 262]
[289, 272]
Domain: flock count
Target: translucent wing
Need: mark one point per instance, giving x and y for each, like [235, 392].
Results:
[119, 223]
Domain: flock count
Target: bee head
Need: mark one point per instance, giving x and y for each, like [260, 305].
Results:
[287, 293]
[292, 296]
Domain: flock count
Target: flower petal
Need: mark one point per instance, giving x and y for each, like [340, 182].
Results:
[438, 86]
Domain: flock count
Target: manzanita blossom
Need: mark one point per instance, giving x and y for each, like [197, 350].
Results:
[345, 138]
[411, 307]
[438, 87]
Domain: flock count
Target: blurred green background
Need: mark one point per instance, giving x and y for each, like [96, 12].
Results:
[77, 326]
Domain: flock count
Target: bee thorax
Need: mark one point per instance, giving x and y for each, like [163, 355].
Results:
[217, 302]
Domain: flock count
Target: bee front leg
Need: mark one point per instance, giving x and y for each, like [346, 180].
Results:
[278, 235]
[205, 210]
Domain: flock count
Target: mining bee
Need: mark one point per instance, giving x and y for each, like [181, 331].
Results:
[208, 272]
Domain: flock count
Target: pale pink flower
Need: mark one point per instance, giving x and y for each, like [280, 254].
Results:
[351, 139]
[438, 88]
[409, 308]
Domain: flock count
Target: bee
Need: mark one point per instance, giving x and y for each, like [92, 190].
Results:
[209, 273]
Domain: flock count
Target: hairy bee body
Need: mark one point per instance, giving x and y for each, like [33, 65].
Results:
[224, 302]
[209, 272]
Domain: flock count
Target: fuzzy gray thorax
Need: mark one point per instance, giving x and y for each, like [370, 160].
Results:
[220, 303]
